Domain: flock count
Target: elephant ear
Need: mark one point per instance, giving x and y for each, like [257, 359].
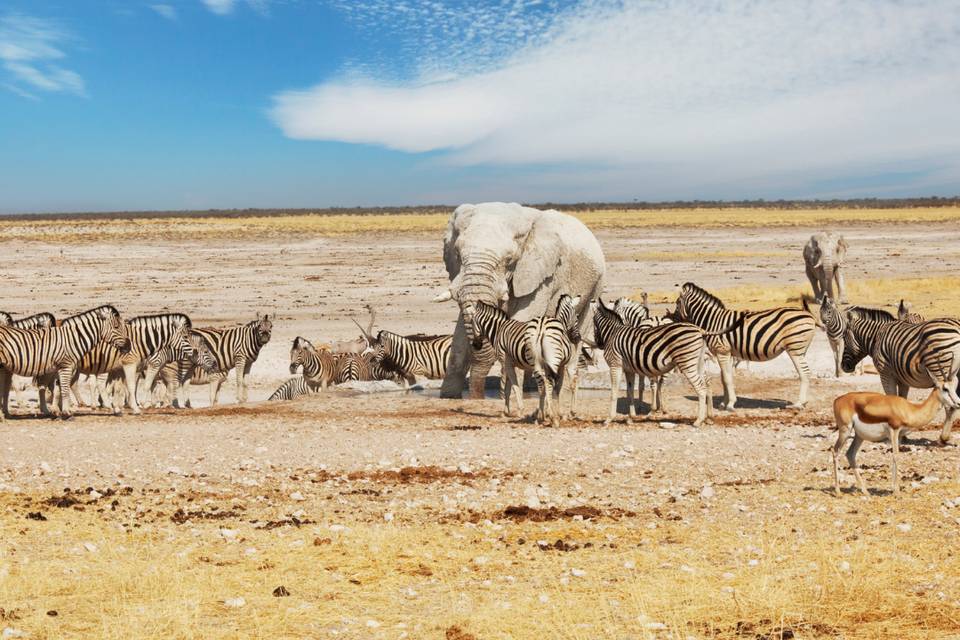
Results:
[450, 257]
[841, 249]
[539, 258]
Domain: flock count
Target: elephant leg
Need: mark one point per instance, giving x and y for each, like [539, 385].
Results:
[814, 279]
[456, 373]
[841, 285]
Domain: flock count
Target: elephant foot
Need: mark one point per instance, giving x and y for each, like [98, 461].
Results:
[796, 406]
[698, 423]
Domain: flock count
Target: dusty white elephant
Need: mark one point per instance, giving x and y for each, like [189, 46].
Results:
[519, 259]
[824, 256]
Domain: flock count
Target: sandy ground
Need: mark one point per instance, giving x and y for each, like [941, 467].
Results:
[340, 458]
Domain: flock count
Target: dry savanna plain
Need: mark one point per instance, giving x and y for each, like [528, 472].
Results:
[352, 514]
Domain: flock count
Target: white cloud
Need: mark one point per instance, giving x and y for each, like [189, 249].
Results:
[220, 7]
[694, 92]
[165, 10]
[29, 48]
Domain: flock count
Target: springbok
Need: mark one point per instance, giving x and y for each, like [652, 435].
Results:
[876, 417]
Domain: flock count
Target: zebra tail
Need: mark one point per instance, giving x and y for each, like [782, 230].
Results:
[736, 325]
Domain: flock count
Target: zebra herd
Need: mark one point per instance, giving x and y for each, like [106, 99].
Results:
[99, 343]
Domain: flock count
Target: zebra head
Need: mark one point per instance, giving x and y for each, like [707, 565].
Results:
[5, 318]
[605, 322]
[299, 353]
[854, 350]
[485, 318]
[113, 330]
[567, 314]
[262, 329]
[632, 313]
[833, 318]
[202, 356]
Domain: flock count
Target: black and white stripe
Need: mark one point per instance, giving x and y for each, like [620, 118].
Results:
[57, 350]
[318, 365]
[413, 355]
[651, 353]
[175, 364]
[758, 335]
[635, 314]
[236, 347]
[908, 355]
[506, 336]
[294, 388]
[905, 314]
[555, 345]
[834, 319]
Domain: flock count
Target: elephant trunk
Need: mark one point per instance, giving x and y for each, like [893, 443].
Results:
[478, 283]
[828, 269]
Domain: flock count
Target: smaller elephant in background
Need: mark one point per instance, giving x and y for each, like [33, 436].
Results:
[824, 256]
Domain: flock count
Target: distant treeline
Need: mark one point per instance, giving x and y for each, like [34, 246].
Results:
[858, 203]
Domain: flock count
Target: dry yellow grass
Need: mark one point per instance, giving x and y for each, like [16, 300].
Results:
[804, 562]
[311, 225]
[926, 294]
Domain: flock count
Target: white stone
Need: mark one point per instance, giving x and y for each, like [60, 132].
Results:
[668, 425]
[388, 517]
[707, 492]
[96, 495]
[629, 564]
[578, 573]
[45, 467]
[10, 632]
[544, 598]
[89, 546]
[229, 534]
[373, 624]
[844, 566]
[234, 603]
[904, 527]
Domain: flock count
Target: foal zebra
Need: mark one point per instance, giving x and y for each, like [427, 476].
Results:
[908, 355]
[414, 355]
[236, 347]
[555, 345]
[759, 336]
[43, 351]
[175, 364]
[651, 353]
[318, 365]
[635, 314]
[835, 320]
[506, 336]
[294, 388]
[19, 384]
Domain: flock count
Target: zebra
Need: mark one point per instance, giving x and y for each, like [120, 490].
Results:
[318, 364]
[5, 318]
[42, 351]
[412, 355]
[350, 367]
[147, 334]
[905, 314]
[42, 320]
[636, 314]
[236, 347]
[650, 353]
[758, 336]
[294, 388]
[507, 336]
[834, 319]
[175, 364]
[555, 345]
[908, 355]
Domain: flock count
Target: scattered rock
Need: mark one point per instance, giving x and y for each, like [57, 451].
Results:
[234, 603]
[667, 425]
[297, 496]
[707, 492]
[90, 547]
[577, 573]
[281, 592]
[904, 527]
[36, 515]
[456, 633]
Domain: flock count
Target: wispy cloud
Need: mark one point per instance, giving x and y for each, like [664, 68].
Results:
[165, 10]
[30, 51]
[671, 92]
[226, 7]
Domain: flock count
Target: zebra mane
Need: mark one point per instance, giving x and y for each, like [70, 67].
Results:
[303, 343]
[161, 316]
[689, 286]
[413, 337]
[867, 313]
[89, 312]
[5, 318]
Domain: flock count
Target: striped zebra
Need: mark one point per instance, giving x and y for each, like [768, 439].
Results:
[19, 384]
[318, 365]
[554, 343]
[651, 353]
[148, 334]
[42, 351]
[236, 347]
[908, 355]
[507, 336]
[905, 314]
[175, 364]
[759, 336]
[834, 319]
[362, 367]
[636, 314]
[413, 355]
[294, 388]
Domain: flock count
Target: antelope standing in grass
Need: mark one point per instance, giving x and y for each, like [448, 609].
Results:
[875, 417]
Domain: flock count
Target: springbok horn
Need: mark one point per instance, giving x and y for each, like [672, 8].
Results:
[444, 296]
[362, 330]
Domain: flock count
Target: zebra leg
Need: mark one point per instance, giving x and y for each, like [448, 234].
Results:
[215, 384]
[5, 379]
[641, 388]
[130, 377]
[512, 387]
[726, 376]
[631, 408]
[800, 364]
[837, 346]
[241, 381]
[543, 390]
[614, 392]
[557, 392]
[890, 386]
[66, 377]
[659, 394]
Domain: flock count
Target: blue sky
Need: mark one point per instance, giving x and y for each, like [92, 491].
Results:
[179, 104]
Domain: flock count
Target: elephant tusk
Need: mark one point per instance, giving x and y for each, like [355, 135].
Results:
[444, 296]
[818, 265]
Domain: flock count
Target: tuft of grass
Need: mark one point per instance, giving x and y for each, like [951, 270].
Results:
[803, 565]
[926, 294]
[316, 225]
